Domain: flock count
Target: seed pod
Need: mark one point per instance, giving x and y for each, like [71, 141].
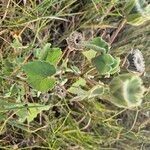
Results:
[127, 91]
[75, 40]
[135, 61]
[60, 91]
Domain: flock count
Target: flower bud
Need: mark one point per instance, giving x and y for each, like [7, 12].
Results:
[136, 61]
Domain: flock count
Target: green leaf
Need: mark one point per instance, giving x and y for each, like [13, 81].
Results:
[76, 87]
[31, 111]
[38, 74]
[48, 54]
[129, 5]
[96, 1]
[106, 64]
[89, 54]
[39, 68]
[103, 63]
[54, 55]
[115, 66]
[44, 51]
[98, 44]
[137, 12]
[97, 90]
[12, 91]
[3, 116]
[37, 53]
[7, 67]
[41, 84]
[16, 44]
[1, 81]
[126, 90]
[137, 19]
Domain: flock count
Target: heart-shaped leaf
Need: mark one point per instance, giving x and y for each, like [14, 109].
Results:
[106, 64]
[39, 73]
[98, 44]
[89, 54]
[97, 90]
[127, 90]
[39, 68]
[54, 55]
[76, 87]
[41, 84]
[48, 54]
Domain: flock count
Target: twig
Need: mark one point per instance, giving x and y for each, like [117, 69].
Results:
[113, 37]
[5, 14]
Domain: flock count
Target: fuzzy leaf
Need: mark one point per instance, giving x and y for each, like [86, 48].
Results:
[39, 73]
[76, 87]
[48, 54]
[39, 68]
[44, 51]
[127, 90]
[98, 44]
[96, 91]
[106, 64]
[31, 111]
[89, 54]
[54, 55]
[41, 84]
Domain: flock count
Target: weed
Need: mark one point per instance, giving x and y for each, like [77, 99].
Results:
[63, 84]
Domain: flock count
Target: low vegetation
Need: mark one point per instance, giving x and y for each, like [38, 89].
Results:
[74, 74]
